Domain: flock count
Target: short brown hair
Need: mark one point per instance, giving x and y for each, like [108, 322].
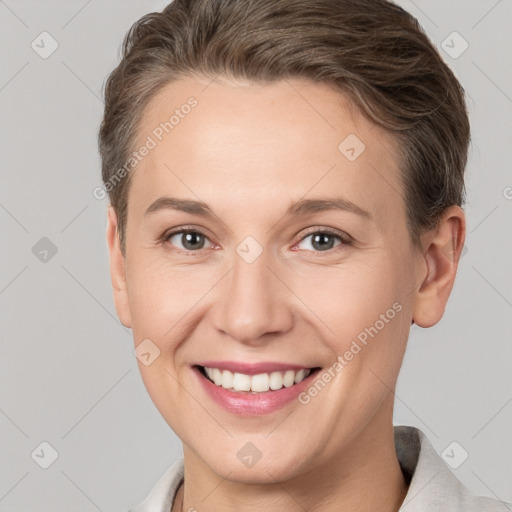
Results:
[372, 50]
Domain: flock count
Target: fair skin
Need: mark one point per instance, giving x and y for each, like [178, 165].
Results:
[249, 151]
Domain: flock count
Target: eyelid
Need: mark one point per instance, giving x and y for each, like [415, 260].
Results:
[164, 239]
[345, 238]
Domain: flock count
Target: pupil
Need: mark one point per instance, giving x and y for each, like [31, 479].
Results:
[323, 241]
[191, 239]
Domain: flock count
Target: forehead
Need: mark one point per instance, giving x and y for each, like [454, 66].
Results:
[260, 144]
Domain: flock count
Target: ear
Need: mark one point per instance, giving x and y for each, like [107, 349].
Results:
[442, 248]
[117, 269]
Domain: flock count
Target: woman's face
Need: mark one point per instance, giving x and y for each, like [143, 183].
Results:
[266, 275]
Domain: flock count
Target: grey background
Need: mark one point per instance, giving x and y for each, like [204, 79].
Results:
[67, 371]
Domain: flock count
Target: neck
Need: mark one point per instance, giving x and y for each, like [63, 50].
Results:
[363, 475]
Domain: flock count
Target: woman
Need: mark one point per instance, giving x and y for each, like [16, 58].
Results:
[286, 182]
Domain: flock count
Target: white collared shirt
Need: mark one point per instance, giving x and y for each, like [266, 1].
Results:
[432, 485]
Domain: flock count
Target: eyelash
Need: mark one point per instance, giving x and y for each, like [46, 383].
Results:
[345, 239]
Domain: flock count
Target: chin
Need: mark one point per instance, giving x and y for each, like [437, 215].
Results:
[266, 470]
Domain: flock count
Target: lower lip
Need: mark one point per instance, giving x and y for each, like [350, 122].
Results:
[245, 403]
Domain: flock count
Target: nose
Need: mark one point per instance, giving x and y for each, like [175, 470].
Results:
[253, 304]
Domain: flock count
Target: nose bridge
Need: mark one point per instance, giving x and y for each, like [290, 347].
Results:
[254, 301]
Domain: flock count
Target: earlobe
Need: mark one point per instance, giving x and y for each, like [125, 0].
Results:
[117, 269]
[441, 255]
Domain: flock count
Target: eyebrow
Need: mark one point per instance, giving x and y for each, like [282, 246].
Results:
[297, 209]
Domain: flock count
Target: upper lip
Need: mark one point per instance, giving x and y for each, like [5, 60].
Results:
[253, 368]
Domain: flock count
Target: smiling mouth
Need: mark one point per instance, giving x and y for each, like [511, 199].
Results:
[260, 383]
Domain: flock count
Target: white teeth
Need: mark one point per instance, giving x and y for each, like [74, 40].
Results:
[241, 382]
[227, 379]
[289, 379]
[260, 383]
[217, 376]
[276, 380]
[300, 376]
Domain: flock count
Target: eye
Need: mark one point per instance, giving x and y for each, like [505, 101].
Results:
[324, 240]
[193, 240]
[186, 240]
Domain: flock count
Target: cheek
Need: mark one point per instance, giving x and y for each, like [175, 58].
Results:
[359, 308]
[349, 296]
[162, 298]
